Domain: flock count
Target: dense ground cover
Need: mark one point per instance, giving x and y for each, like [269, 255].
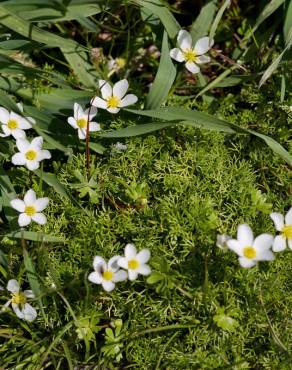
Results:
[172, 191]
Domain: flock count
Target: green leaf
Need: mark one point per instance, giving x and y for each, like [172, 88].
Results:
[154, 278]
[288, 21]
[3, 259]
[162, 85]
[160, 10]
[31, 274]
[135, 130]
[34, 236]
[203, 22]
[218, 17]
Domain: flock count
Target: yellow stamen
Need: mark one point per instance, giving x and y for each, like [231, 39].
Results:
[287, 231]
[121, 62]
[133, 264]
[30, 210]
[18, 298]
[249, 252]
[113, 102]
[31, 155]
[12, 124]
[82, 122]
[190, 55]
[108, 275]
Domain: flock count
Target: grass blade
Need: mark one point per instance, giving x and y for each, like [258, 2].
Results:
[202, 24]
[218, 18]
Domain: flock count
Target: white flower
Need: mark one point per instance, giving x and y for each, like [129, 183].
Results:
[22, 309]
[191, 55]
[251, 250]
[79, 121]
[135, 262]
[107, 274]
[285, 229]
[30, 208]
[13, 124]
[114, 98]
[30, 154]
[222, 241]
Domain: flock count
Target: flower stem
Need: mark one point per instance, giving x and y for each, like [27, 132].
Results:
[87, 144]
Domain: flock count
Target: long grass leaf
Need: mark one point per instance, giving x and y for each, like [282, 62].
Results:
[218, 18]
[203, 22]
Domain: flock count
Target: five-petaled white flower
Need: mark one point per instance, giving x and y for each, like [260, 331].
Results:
[191, 55]
[107, 274]
[30, 154]
[79, 121]
[285, 229]
[251, 250]
[135, 262]
[30, 208]
[14, 124]
[22, 309]
[114, 98]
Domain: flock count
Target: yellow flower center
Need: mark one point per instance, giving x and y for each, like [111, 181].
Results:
[190, 55]
[249, 252]
[287, 231]
[113, 102]
[12, 124]
[121, 62]
[30, 210]
[31, 155]
[82, 122]
[133, 264]
[108, 275]
[18, 298]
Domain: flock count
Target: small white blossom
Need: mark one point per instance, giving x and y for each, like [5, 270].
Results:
[14, 124]
[30, 208]
[119, 147]
[107, 274]
[19, 304]
[135, 262]
[30, 154]
[79, 121]
[251, 250]
[114, 98]
[285, 228]
[191, 55]
[222, 241]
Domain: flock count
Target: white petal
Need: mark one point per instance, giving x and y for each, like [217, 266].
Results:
[202, 45]
[32, 165]
[18, 159]
[81, 133]
[23, 123]
[184, 40]
[78, 111]
[29, 312]
[130, 251]
[113, 263]
[288, 217]
[177, 55]
[95, 277]
[133, 274]
[22, 145]
[13, 286]
[143, 256]
[24, 220]
[6, 130]
[113, 110]
[44, 154]
[72, 122]
[20, 106]
[18, 204]
[4, 115]
[18, 134]
[41, 203]
[99, 103]
[93, 112]
[30, 197]
[99, 264]
[263, 242]
[266, 255]
[37, 143]
[17, 311]
[246, 262]
[290, 243]
[128, 100]
[105, 89]
[120, 88]
[278, 220]
[121, 275]
[192, 67]
[234, 245]
[94, 126]
[244, 235]
[122, 262]
[39, 218]
[29, 294]
[203, 59]
[144, 270]
[108, 285]
[279, 243]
